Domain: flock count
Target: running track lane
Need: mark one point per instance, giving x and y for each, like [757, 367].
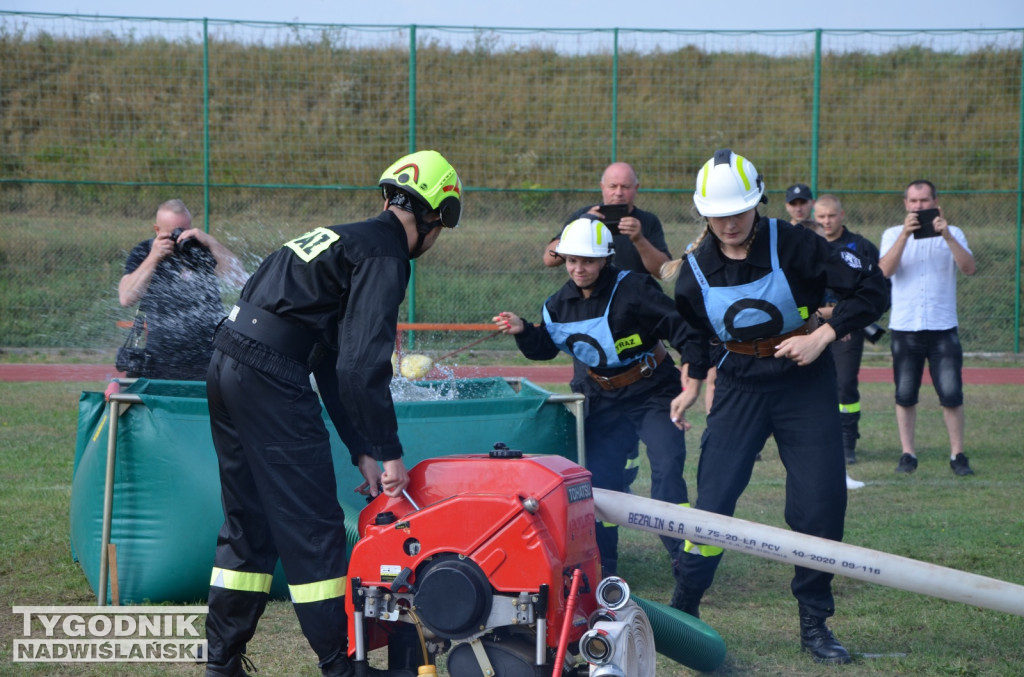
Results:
[537, 374]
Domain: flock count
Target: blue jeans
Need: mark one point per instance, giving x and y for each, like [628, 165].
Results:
[945, 358]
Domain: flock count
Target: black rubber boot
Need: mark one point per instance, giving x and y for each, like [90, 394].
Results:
[687, 599]
[235, 667]
[343, 667]
[851, 433]
[819, 640]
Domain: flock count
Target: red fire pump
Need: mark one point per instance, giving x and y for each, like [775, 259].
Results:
[477, 559]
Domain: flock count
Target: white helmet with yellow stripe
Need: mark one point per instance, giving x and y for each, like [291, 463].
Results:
[586, 237]
[728, 184]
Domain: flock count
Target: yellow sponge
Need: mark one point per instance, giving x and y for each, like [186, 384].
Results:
[415, 366]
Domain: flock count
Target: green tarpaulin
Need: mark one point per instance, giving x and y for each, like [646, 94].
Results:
[166, 506]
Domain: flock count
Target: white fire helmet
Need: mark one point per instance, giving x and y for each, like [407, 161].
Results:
[728, 184]
[585, 237]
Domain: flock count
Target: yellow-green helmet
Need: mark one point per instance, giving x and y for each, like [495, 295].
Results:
[430, 179]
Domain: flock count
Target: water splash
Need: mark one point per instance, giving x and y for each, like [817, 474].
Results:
[443, 388]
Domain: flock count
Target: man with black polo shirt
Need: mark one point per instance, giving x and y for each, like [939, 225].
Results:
[638, 237]
[175, 278]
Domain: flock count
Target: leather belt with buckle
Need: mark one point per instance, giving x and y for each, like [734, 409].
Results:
[642, 369]
[766, 347]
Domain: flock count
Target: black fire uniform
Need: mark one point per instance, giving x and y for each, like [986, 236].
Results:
[760, 396]
[628, 258]
[326, 302]
[848, 350]
[639, 318]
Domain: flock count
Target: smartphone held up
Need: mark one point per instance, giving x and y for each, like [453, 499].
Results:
[612, 214]
[926, 217]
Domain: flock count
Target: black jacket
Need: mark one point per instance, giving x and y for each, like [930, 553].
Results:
[639, 307]
[866, 250]
[345, 284]
[811, 266]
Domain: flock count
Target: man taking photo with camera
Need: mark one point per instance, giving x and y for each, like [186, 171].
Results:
[922, 257]
[175, 279]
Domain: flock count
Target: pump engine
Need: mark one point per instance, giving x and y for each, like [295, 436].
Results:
[477, 560]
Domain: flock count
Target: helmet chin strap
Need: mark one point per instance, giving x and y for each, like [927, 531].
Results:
[423, 229]
[419, 211]
[421, 235]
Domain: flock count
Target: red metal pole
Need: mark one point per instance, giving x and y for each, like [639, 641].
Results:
[570, 609]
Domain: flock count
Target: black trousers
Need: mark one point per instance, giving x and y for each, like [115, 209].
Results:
[847, 353]
[279, 495]
[612, 426]
[805, 423]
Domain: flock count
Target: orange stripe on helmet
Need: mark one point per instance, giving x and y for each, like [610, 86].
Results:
[415, 171]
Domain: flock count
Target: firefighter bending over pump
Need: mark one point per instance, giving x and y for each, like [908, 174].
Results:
[326, 303]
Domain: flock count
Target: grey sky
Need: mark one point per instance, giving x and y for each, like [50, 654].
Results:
[663, 14]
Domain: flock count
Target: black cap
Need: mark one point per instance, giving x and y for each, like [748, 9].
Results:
[798, 191]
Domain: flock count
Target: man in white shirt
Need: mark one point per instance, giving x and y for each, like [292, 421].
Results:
[922, 258]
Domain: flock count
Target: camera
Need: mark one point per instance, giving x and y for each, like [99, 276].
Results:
[133, 361]
[184, 247]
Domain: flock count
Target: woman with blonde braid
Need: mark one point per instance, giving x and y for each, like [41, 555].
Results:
[751, 287]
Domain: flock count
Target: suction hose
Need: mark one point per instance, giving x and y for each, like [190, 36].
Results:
[683, 638]
[783, 545]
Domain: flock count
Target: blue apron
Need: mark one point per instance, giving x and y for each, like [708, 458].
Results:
[755, 310]
[590, 341]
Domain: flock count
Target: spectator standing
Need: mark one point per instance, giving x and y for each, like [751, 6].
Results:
[800, 204]
[847, 350]
[612, 322]
[753, 285]
[922, 257]
[175, 279]
[639, 238]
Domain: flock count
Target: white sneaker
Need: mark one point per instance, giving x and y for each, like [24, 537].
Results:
[852, 483]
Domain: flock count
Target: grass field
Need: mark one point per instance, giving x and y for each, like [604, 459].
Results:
[973, 524]
[58, 285]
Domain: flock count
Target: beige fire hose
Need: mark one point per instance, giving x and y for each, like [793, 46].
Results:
[783, 545]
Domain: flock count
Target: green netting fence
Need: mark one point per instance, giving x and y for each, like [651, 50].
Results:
[269, 129]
